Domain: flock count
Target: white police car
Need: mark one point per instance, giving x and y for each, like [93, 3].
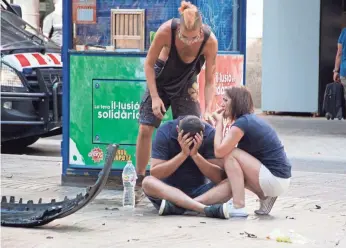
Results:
[31, 82]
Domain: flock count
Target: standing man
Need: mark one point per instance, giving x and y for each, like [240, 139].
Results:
[175, 58]
[340, 62]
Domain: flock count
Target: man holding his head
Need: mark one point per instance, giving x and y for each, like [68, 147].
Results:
[182, 159]
[179, 50]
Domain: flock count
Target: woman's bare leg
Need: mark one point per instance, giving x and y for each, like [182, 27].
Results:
[243, 172]
[236, 180]
[250, 167]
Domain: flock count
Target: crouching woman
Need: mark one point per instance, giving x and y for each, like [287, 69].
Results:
[259, 162]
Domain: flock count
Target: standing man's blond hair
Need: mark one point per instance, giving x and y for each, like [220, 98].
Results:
[190, 17]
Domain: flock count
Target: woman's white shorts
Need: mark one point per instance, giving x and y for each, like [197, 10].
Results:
[272, 185]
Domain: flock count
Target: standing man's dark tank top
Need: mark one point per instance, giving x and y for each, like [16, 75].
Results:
[174, 76]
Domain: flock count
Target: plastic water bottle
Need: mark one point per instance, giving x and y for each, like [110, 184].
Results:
[129, 177]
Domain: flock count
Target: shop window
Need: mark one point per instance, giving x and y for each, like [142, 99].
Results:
[223, 16]
[128, 29]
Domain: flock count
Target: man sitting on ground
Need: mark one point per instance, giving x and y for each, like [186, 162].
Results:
[182, 159]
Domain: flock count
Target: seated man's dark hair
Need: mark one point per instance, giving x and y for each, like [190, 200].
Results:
[191, 124]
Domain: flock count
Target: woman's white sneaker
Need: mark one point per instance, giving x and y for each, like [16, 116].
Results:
[236, 212]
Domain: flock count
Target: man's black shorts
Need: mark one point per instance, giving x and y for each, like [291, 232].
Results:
[197, 192]
[185, 104]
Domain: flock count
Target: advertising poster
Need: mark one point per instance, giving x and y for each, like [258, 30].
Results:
[114, 114]
[229, 72]
[115, 118]
[116, 111]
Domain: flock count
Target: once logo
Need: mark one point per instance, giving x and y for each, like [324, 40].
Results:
[96, 154]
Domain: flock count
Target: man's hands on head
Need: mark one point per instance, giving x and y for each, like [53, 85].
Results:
[208, 169]
[197, 142]
[185, 142]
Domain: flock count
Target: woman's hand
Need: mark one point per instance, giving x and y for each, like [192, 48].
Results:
[218, 115]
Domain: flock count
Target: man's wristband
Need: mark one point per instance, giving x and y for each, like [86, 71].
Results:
[336, 71]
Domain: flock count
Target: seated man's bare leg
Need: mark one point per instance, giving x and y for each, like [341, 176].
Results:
[158, 189]
[219, 194]
[154, 187]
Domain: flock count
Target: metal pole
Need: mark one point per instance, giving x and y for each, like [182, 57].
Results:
[242, 44]
[67, 44]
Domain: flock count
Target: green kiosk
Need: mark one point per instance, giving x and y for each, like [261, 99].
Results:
[104, 49]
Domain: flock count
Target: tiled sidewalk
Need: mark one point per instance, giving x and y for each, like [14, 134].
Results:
[104, 224]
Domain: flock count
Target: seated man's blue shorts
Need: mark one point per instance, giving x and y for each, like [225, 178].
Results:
[194, 193]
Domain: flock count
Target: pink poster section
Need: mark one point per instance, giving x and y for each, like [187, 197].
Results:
[229, 72]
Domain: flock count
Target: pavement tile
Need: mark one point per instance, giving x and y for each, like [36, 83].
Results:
[314, 206]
